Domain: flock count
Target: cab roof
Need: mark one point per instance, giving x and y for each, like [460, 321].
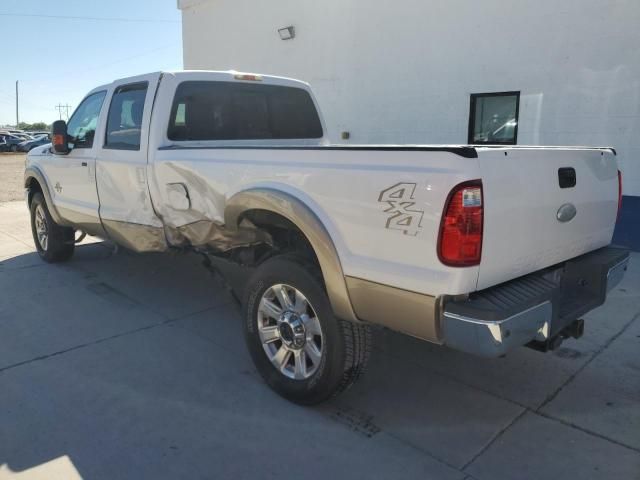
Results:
[219, 75]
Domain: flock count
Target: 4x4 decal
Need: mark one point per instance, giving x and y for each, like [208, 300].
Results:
[400, 199]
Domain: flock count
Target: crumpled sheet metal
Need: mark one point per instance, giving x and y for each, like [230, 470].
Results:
[136, 237]
[203, 234]
[201, 225]
[205, 200]
[208, 235]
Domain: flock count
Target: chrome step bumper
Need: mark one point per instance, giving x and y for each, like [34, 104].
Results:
[533, 308]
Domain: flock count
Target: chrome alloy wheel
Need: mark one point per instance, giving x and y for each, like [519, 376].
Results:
[42, 231]
[290, 332]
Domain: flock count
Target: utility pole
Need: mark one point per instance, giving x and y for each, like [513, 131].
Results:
[66, 109]
[17, 107]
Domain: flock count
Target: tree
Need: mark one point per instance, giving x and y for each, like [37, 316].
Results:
[38, 126]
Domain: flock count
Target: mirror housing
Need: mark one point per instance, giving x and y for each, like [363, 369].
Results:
[59, 137]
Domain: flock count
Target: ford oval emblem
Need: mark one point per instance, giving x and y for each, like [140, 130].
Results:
[566, 212]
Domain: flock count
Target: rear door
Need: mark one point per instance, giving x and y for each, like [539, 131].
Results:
[125, 205]
[543, 206]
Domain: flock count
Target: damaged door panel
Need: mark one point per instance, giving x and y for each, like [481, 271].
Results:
[126, 209]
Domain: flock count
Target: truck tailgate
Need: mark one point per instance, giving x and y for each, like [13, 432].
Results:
[543, 206]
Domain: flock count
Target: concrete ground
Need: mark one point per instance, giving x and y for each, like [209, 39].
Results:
[117, 365]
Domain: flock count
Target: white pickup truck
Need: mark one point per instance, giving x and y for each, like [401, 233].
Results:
[482, 249]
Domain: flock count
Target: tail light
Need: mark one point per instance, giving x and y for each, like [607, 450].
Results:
[619, 194]
[460, 240]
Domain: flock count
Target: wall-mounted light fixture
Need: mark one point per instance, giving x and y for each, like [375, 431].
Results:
[287, 33]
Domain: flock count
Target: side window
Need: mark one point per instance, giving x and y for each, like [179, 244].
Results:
[82, 124]
[124, 124]
[493, 118]
[209, 110]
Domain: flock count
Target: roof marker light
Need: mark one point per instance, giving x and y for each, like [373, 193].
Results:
[248, 77]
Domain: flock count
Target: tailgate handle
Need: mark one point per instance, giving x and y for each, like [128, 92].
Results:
[567, 177]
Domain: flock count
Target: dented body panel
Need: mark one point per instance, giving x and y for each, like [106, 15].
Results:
[330, 185]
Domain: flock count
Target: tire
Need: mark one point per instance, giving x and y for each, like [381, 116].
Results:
[54, 243]
[315, 362]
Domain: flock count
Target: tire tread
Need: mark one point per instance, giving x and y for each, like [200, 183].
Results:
[355, 338]
[61, 239]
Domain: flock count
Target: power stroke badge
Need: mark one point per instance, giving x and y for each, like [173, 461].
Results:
[399, 200]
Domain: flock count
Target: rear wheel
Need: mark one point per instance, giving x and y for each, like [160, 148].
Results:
[54, 242]
[300, 348]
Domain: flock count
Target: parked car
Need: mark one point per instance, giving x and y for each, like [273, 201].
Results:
[482, 249]
[17, 133]
[12, 141]
[28, 145]
[11, 131]
[35, 134]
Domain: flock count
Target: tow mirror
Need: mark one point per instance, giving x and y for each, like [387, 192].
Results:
[59, 137]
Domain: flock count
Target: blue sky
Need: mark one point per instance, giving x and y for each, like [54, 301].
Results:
[58, 60]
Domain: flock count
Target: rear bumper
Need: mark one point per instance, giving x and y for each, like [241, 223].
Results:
[534, 308]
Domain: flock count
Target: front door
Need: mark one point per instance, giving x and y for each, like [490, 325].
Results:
[125, 204]
[72, 177]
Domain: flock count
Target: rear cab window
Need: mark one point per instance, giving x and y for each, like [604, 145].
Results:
[217, 110]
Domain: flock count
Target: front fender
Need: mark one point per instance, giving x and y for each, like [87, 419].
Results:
[34, 173]
[308, 222]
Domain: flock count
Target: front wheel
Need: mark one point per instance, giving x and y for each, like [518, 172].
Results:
[54, 242]
[300, 348]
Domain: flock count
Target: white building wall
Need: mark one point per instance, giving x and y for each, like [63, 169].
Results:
[402, 71]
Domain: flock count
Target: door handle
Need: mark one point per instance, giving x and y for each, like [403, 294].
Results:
[84, 164]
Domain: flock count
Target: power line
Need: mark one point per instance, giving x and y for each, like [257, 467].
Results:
[98, 19]
[66, 109]
[91, 69]
[10, 98]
